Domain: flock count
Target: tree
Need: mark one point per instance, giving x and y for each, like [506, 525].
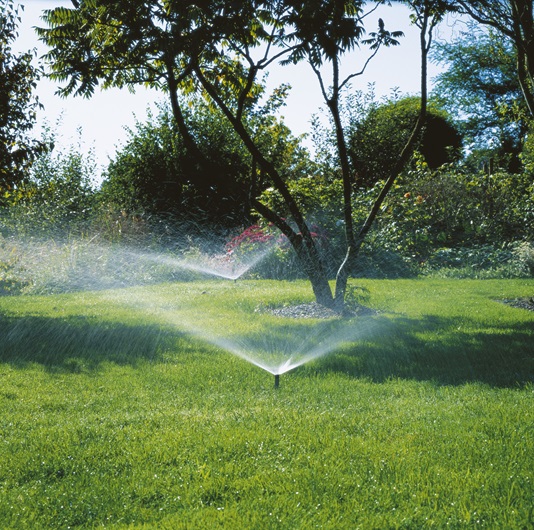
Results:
[18, 106]
[220, 49]
[513, 19]
[481, 89]
[375, 142]
[153, 173]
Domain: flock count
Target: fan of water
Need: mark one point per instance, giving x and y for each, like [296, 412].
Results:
[221, 265]
[52, 266]
[267, 341]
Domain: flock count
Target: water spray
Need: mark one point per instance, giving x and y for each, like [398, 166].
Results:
[273, 346]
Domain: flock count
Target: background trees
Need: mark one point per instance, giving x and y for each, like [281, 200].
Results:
[18, 106]
[220, 49]
[480, 89]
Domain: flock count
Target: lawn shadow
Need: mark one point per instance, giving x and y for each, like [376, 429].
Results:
[445, 350]
[75, 344]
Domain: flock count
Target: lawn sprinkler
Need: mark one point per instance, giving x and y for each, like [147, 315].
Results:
[276, 380]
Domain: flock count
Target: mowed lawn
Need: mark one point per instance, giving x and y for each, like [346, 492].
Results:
[118, 412]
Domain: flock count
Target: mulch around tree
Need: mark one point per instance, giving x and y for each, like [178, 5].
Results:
[520, 303]
[315, 310]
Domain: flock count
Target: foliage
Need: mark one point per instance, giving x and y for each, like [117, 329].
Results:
[18, 105]
[118, 419]
[143, 176]
[478, 262]
[281, 261]
[251, 236]
[377, 139]
[525, 253]
[70, 263]
[427, 210]
[316, 196]
[451, 207]
[155, 175]
[514, 22]
[527, 155]
[58, 196]
[480, 89]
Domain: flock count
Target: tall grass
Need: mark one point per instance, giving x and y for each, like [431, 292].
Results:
[114, 416]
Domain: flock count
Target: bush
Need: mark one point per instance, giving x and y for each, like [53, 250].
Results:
[376, 141]
[155, 173]
[12, 281]
[428, 210]
[525, 254]
[60, 194]
[478, 262]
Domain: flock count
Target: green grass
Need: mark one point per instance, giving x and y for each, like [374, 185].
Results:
[114, 416]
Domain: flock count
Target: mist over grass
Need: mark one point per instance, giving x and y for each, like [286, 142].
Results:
[60, 261]
[115, 415]
[67, 264]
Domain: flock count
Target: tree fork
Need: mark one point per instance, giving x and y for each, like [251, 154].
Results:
[312, 264]
[353, 250]
[304, 245]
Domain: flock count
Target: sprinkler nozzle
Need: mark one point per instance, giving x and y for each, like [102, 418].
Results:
[276, 380]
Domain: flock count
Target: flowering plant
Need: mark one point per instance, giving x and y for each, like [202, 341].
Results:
[278, 258]
[251, 236]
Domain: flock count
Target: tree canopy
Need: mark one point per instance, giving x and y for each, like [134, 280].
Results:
[480, 89]
[374, 143]
[18, 105]
[512, 19]
[220, 49]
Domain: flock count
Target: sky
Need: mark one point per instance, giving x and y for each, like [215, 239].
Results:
[101, 122]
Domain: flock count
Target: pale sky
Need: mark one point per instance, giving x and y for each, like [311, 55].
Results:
[103, 117]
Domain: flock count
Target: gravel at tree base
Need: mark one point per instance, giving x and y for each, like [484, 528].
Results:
[520, 303]
[315, 310]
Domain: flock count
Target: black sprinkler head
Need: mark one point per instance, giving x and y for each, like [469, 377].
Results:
[276, 380]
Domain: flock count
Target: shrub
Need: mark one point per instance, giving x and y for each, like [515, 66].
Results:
[12, 281]
[477, 261]
[525, 255]
[376, 141]
[428, 210]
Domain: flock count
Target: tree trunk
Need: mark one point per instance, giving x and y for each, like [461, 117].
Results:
[354, 247]
[308, 258]
[302, 242]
